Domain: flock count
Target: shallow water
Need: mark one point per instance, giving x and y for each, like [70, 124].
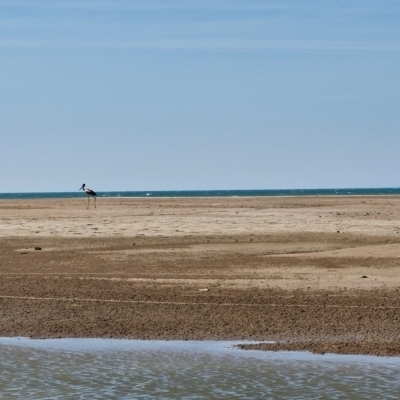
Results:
[131, 369]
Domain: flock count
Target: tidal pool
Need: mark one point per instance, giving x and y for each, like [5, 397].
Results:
[135, 369]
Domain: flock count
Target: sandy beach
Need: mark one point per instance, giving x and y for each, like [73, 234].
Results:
[312, 273]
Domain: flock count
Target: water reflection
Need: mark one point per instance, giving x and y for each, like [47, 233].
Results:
[122, 369]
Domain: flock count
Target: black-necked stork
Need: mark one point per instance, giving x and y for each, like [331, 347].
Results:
[89, 193]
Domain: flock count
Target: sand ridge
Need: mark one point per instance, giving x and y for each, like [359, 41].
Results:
[317, 273]
[198, 216]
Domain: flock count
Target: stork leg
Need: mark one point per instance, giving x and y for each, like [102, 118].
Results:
[94, 202]
[88, 200]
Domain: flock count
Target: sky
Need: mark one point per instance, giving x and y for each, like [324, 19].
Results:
[199, 94]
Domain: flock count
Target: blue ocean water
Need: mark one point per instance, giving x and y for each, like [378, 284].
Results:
[210, 193]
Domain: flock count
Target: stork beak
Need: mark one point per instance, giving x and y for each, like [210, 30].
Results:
[81, 187]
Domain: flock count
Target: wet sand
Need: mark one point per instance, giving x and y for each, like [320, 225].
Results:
[312, 273]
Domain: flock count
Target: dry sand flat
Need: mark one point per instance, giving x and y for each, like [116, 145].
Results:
[313, 272]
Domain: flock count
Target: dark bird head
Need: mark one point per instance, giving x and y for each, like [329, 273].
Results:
[82, 187]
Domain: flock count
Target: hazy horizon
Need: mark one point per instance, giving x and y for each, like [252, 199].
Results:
[150, 191]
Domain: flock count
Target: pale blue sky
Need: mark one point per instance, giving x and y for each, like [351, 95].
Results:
[208, 94]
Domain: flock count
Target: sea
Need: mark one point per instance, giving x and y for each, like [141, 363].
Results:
[210, 193]
[135, 369]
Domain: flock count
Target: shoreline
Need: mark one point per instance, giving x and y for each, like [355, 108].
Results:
[209, 346]
[294, 196]
[312, 273]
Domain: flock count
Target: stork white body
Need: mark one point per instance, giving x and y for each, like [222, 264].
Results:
[90, 193]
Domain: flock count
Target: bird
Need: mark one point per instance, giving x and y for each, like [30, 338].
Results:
[89, 193]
